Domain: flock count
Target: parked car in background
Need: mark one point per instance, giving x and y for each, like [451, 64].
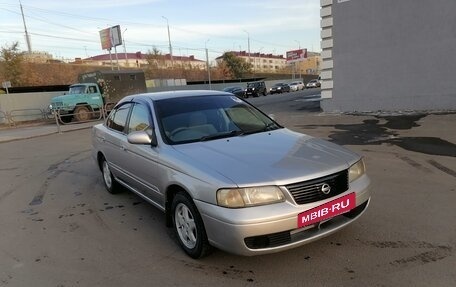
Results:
[297, 86]
[255, 89]
[226, 175]
[238, 91]
[279, 88]
[314, 83]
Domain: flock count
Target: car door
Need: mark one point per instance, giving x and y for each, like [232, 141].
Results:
[141, 161]
[114, 140]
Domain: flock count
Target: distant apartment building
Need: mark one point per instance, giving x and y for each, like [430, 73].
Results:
[138, 60]
[38, 57]
[261, 63]
[310, 65]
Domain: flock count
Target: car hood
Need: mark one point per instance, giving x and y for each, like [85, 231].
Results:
[277, 157]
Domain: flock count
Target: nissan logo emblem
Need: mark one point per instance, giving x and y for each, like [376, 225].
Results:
[326, 188]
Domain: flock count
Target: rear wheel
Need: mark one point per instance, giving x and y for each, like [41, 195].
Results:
[111, 185]
[189, 226]
[82, 113]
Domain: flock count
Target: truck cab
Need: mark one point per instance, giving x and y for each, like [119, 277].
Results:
[79, 103]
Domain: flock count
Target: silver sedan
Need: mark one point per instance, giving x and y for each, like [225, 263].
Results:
[226, 175]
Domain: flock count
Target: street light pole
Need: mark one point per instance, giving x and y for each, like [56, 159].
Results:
[169, 41]
[207, 64]
[296, 63]
[299, 44]
[125, 48]
[259, 59]
[248, 42]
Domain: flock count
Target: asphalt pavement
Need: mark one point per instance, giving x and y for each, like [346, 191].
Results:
[33, 130]
[59, 227]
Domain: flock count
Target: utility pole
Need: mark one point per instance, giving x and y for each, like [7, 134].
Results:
[27, 36]
[169, 41]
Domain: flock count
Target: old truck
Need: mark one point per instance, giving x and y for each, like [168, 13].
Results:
[94, 90]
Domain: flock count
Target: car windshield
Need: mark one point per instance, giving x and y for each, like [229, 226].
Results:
[279, 84]
[78, 89]
[253, 85]
[204, 118]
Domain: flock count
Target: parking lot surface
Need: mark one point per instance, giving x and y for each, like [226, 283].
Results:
[59, 227]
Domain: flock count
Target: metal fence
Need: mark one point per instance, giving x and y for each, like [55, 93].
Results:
[4, 117]
[96, 113]
[15, 117]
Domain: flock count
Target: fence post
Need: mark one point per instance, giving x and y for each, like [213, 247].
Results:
[57, 117]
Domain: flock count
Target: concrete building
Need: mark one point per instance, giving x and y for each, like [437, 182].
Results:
[311, 65]
[138, 59]
[261, 63]
[388, 55]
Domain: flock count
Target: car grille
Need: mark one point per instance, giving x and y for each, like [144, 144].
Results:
[311, 190]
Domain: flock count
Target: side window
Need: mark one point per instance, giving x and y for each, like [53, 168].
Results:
[139, 119]
[117, 118]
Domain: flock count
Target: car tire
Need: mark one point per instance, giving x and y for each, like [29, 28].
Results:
[82, 113]
[110, 183]
[189, 227]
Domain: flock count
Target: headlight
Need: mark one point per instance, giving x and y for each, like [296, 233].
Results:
[356, 170]
[50, 106]
[249, 196]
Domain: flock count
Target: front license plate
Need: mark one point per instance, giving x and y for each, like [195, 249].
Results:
[328, 210]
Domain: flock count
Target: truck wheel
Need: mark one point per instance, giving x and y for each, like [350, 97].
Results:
[65, 119]
[82, 113]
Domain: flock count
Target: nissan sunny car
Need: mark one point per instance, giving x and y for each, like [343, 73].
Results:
[226, 175]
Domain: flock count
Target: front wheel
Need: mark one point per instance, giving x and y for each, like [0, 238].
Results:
[189, 226]
[110, 183]
[82, 113]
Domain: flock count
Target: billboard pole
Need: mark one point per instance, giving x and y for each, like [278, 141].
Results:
[117, 58]
[110, 59]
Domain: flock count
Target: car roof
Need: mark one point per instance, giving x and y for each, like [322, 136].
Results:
[174, 94]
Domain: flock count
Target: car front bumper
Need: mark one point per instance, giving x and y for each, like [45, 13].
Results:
[273, 228]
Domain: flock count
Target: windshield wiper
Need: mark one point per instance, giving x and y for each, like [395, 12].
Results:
[267, 127]
[221, 135]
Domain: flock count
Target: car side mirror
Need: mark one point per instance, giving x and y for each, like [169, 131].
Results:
[142, 137]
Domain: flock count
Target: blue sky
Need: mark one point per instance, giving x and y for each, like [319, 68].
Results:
[69, 29]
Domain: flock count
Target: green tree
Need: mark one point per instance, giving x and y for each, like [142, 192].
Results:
[12, 60]
[235, 65]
